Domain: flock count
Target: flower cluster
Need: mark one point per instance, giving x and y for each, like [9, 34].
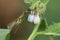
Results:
[34, 17]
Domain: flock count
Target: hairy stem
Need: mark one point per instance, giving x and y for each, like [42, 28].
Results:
[45, 33]
[34, 32]
[51, 38]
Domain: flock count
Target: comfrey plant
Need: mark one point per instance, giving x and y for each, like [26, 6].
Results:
[36, 16]
[38, 21]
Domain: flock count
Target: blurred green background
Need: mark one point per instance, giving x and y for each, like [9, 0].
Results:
[52, 13]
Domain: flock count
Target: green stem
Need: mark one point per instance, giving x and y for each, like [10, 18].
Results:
[34, 32]
[44, 33]
[51, 38]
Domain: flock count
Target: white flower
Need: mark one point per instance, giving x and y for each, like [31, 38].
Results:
[36, 19]
[30, 18]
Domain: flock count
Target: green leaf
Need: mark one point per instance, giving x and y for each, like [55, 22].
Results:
[43, 24]
[45, 1]
[33, 1]
[3, 33]
[7, 37]
[30, 1]
[55, 28]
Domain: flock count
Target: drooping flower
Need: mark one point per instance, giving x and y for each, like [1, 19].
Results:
[36, 19]
[31, 17]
